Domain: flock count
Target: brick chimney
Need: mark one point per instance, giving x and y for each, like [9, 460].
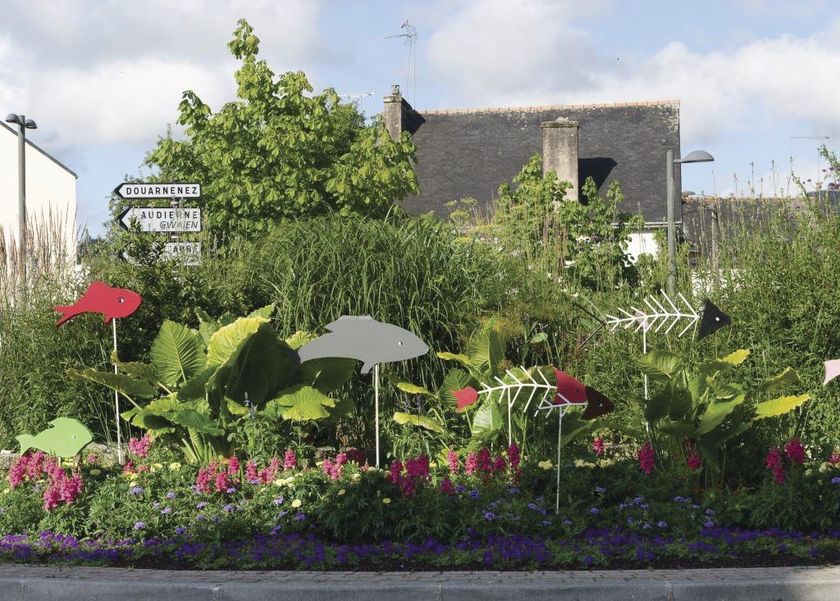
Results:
[394, 112]
[560, 152]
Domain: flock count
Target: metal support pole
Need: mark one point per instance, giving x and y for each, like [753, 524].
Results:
[560, 412]
[22, 199]
[672, 226]
[376, 407]
[117, 400]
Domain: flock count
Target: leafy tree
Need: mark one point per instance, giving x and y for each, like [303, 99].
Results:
[581, 242]
[280, 152]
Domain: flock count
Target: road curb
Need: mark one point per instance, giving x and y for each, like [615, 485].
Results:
[36, 583]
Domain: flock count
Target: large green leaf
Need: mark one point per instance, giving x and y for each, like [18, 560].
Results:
[195, 421]
[658, 405]
[681, 403]
[715, 414]
[779, 406]
[677, 429]
[417, 420]
[486, 350]
[300, 403]
[227, 342]
[454, 380]
[487, 420]
[125, 385]
[462, 359]
[719, 436]
[789, 377]
[264, 312]
[412, 388]
[196, 387]
[137, 370]
[299, 338]
[264, 364]
[207, 326]
[177, 353]
[659, 364]
[327, 374]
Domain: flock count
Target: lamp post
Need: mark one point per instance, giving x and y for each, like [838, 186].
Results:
[23, 124]
[695, 156]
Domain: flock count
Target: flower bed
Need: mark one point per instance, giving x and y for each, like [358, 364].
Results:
[470, 510]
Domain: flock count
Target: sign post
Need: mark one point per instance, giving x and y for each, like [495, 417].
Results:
[174, 220]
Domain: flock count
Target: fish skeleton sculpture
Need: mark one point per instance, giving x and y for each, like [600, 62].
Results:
[65, 437]
[362, 337]
[101, 298]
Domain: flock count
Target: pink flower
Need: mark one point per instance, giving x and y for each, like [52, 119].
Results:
[834, 459]
[417, 468]
[233, 466]
[773, 458]
[268, 474]
[140, 446]
[795, 451]
[395, 471]
[222, 481]
[51, 497]
[484, 460]
[289, 460]
[204, 477]
[333, 469]
[18, 471]
[471, 464]
[92, 459]
[694, 461]
[452, 458]
[598, 446]
[251, 472]
[646, 458]
[128, 467]
[513, 456]
[499, 464]
[446, 487]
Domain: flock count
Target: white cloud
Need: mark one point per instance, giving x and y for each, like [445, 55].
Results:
[501, 53]
[100, 72]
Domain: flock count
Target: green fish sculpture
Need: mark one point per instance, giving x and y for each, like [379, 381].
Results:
[65, 438]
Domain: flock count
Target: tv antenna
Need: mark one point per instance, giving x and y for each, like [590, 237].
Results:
[410, 34]
[355, 97]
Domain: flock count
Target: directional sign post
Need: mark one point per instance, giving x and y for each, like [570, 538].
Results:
[189, 253]
[141, 190]
[156, 219]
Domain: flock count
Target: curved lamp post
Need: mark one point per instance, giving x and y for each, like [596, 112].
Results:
[23, 124]
[695, 156]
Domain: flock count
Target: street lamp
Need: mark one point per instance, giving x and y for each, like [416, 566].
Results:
[23, 124]
[695, 156]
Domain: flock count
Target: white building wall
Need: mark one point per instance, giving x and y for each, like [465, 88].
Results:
[50, 190]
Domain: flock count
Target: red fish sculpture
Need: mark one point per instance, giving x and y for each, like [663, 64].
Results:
[101, 298]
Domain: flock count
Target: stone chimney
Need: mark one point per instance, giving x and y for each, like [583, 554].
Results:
[393, 112]
[560, 152]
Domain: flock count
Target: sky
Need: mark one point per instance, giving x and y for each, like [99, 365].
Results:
[757, 79]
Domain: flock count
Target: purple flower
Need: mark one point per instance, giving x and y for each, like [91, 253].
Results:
[170, 494]
[166, 510]
[229, 508]
[710, 523]
[489, 516]
[139, 525]
[279, 500]
[299, 516]
[835, 480]
[180, 530]
[474, 494]
[600, 490]
[567, 522]
[201, 505]
[136, 490]
[594, 511]
[200, 517]
[231, 490]
[662, 524]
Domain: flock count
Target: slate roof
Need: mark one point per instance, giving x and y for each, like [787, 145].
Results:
[468, 153]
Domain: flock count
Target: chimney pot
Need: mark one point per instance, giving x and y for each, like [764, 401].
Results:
[560, 152]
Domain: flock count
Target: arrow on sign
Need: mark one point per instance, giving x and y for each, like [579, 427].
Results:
[141, 190]
[154, 219]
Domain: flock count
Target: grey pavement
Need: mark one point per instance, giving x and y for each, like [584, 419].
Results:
[36, 583]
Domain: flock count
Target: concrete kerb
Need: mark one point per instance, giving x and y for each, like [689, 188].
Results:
[36, 583]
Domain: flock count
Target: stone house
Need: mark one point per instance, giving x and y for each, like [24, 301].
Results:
[468, 153]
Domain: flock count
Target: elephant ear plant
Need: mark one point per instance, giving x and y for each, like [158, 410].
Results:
[483, 362]
[201, 384]
[704, 409]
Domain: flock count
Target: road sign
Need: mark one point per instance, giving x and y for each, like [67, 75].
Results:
[141, 190]
[153, 219]
[187, 252]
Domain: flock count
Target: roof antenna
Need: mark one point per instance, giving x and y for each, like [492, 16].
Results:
[410, 35]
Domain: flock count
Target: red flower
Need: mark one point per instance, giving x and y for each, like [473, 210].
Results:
[598, 446]
[694, 461]
[646, 458]
[795, 451]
